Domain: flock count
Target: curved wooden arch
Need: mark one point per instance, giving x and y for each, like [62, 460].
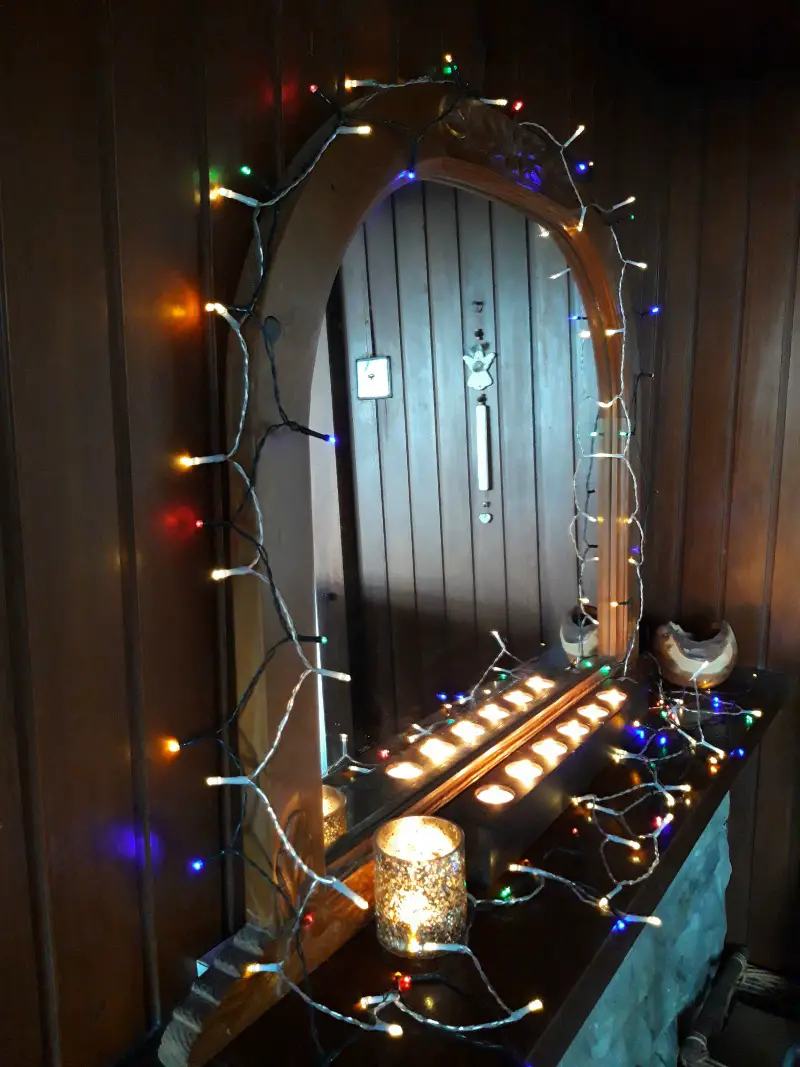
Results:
[473, 146]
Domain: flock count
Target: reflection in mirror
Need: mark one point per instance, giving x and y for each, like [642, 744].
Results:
[456, 371]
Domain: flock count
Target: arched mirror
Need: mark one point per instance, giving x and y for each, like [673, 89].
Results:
[453, 334]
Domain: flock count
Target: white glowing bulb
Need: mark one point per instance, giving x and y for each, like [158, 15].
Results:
[535, 1005]
[550, 750]
[214, 780]
[436, 750]
[635, 263]
[539, 685]
[624, 203]
[559, 274]
[494, 795]
[499, 102]
[468, 731]
[610, 332]
[612, 697]
[593, 712]
[524, 771]
[363, 130]
[517, 697]
[585, 335]
[394, 1030]
[220, 573]
[670, 800]
[406, 771]
[756, 712]
[573, 729]
[603, 904]
[493, 714]
[543, 232]
[212, 305]
[653, 920]
[577, 133]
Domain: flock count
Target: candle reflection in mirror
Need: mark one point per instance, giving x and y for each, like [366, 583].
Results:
[493, 714]
[539, 685]
[334, 814]
[518, 698]
[468, 731]
[437, 751]
[405, 771]
[420, 884]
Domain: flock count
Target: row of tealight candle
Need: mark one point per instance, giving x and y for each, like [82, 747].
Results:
[436, 751]
[525, 772]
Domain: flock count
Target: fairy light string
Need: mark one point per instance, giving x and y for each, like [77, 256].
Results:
[237, 318]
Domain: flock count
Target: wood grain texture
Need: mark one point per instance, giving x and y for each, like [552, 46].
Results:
[451, 578]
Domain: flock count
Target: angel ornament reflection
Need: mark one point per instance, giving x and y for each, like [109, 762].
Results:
[478, 360]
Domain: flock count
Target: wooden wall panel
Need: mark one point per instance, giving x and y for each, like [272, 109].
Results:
[72, 560]
[164, 412]
[724, 532]
[766, 334]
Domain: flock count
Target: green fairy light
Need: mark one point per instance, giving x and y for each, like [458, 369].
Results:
[323, 640]
[503, 676]
[605, 670]
[245, 170]
[586, 663]
[749, 720]
[505, 894]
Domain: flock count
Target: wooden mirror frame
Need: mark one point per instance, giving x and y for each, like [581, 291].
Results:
[472, 146]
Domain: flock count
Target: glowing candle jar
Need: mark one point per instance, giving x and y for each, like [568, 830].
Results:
[334, 814]
[420, 884]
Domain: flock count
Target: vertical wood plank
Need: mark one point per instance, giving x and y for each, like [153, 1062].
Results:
[424, 484]
[665, 548]
[369, 493]
[455, 483]
[764, 368]
[784, 609]
[552, 385]
[478, 284]
[393, 441]
[68, 498]
[366, 33]
[514, 376]
[723, 243]
[28, 1011]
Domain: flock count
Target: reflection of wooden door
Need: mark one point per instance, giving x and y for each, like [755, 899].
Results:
[431, 273]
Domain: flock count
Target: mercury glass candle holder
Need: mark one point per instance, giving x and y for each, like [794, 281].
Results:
[420, 884]
[334, 814]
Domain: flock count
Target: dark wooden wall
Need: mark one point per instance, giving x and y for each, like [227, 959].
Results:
[110, 635]
[725, 523]
[430, 268]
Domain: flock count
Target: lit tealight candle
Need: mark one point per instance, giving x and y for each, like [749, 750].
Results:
[518, 698]
[524, 771]
[539, 685]
[494, 795]
[612, 697]
[468, 731]
[593, 712]
[550, 750]
[493, 714]
[334, 814]
[420, 886]
[405, 771]
[573, 729]
[437, 751]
